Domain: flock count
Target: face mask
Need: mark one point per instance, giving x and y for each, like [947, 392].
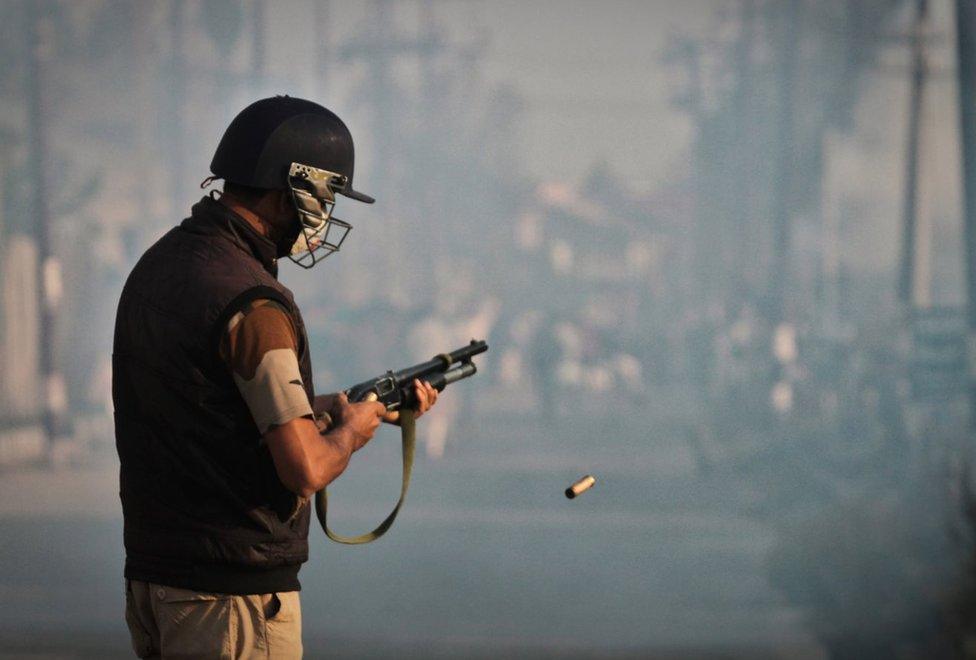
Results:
[285, 245]
[317, 234]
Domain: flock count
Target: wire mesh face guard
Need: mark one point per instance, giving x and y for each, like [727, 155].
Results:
[313, 193]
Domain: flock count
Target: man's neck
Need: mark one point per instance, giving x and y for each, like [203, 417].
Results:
[253, 219]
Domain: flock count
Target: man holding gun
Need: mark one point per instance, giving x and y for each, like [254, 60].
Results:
[220, 436]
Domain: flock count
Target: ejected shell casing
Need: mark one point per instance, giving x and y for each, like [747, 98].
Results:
[580, 486]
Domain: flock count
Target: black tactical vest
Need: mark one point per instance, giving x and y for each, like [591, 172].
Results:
[204, 508]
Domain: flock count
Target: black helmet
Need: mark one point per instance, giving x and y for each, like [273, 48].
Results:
[260, 145]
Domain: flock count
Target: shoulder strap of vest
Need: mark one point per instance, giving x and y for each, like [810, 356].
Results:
[239, 303]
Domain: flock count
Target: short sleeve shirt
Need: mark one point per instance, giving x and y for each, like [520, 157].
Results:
[260, 347]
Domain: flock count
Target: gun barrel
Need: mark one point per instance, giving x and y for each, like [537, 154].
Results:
[476, 347]
[396, 389]
[441, 363]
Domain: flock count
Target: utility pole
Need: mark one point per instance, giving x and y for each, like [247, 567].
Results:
[785, 155]
[907, 274]
[379, 48]
[321, 18]
[174, 100]
[966, 68]
[743, 234]
[257, 43]
[41, 42]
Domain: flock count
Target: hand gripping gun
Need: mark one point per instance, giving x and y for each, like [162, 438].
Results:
[395, 390]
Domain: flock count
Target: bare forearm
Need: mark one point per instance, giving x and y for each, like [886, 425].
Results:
[338, 447]
[307, 460]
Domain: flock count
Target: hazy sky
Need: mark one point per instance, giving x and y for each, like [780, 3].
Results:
[590, 72]
[593, 81]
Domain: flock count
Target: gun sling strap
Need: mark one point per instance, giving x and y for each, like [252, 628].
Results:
[408, 439]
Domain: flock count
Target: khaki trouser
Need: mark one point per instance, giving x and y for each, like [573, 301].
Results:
[166, 622]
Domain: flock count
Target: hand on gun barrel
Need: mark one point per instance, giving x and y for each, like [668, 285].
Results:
[414, 388]
[397, 389]
[425, 395]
